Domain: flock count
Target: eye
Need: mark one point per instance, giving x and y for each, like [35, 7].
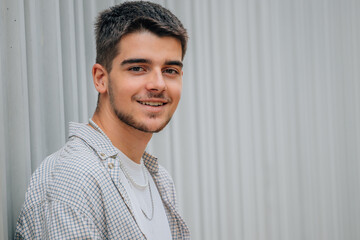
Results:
[171, 71]
[137, 69]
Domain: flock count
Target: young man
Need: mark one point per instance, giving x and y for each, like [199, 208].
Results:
[102, 184]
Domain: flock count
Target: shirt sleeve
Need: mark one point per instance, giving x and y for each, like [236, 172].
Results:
[55, 220]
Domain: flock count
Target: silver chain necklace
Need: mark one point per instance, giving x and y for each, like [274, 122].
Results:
[141, 187]
[130, 178]
[152, 207]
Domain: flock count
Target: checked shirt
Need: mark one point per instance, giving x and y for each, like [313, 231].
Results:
[76, 193]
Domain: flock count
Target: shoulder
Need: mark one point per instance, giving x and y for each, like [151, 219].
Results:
[49, 219]
[59, 186]
[65, 175]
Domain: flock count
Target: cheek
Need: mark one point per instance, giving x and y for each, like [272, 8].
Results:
[174, 89]
[125, 89]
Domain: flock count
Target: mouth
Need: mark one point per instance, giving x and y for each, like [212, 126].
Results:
[153, 104]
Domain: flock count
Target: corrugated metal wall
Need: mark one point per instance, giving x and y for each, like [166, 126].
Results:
[265, 143]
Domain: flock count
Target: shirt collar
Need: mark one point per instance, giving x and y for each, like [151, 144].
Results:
[103, 146]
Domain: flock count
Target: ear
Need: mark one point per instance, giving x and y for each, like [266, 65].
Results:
[100, 78]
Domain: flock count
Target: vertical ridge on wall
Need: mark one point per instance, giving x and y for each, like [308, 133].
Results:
[37, 143]
[59, 84]
[81, 64]
[69, 60]
[216, 160]
[232, 198]
[4, 214]
[16, 121]
[89, 41]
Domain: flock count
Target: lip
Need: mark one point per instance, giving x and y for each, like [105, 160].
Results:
[155, 100]
[153, 108]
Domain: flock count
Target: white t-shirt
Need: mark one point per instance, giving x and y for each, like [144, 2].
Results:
[157, 228]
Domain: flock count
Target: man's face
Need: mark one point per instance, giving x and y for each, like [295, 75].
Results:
[146, 80]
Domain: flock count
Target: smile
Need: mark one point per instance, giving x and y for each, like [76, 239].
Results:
[154, 104]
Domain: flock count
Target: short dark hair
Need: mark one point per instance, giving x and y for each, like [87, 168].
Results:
[128, 17]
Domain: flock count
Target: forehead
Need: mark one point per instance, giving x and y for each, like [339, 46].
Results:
[147, 45]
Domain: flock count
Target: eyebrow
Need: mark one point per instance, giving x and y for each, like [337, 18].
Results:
[143, 60]
[177, 63]
[134, 60]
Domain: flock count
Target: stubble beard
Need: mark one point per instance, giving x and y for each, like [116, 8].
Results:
[129, 120]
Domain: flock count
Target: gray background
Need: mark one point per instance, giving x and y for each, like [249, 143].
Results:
[265, 143]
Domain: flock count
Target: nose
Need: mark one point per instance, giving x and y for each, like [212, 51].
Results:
[156, 82]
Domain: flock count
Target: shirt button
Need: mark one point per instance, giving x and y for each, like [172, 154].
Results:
[102, 154]
[111, 165]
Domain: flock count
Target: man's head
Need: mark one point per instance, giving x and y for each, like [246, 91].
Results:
[138, 74]
[120, 20]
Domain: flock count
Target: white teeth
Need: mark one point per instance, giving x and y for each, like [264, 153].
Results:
[152, 103]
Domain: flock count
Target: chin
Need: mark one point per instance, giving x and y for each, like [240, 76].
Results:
[149, 123]
[155, 129]
[156, 126]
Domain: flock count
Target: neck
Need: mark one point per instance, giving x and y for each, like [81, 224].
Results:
[130, 141]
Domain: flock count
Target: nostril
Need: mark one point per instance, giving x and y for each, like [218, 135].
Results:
[156, 86]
